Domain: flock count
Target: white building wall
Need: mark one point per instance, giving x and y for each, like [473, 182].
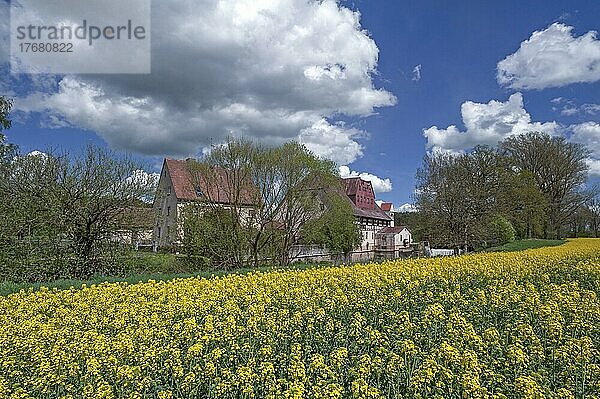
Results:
[403, 235]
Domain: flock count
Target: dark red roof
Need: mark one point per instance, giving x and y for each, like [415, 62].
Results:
[181, 179]
[352, 185]
[386, 206]
[393, 230]
[190, 184]
[361, 194]
[373, 214]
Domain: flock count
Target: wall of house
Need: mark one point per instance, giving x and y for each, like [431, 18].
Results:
[403, 235]
[166, 210]
[364, 197]
[368, 229]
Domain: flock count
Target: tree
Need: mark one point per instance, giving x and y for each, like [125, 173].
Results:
[534, 181]
[8, 151]
[93, 190]
[559, 169]
[593, 206]
[223, 182]
[63, 207]
[336, 228]
[523, 204]
[502, 230]
[32, 184]
[457, 195]
[208, 235]
[272, 191]
[300, 177]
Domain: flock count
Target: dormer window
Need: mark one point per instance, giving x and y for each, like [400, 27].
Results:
[199, 192]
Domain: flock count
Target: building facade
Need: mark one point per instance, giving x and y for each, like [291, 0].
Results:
[388, 208]
[178, 187]
[369, 216]
[393, 242]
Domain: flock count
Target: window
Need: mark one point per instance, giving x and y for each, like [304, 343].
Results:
[159, 231]
[168, 211]
[169, 191]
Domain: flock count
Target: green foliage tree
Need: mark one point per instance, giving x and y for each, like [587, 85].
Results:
[523, 204]
[63, 213]
[209, 237]
[559, 169]
[8, 151]
[535, 181]
[272, 191]
[457, 195]
[502, 230]
[336, 228]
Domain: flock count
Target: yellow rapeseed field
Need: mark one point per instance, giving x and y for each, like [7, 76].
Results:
[516, 325]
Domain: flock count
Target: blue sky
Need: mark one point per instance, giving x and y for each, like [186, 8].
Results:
[457, 45]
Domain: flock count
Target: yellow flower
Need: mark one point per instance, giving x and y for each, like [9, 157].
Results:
[488, 325]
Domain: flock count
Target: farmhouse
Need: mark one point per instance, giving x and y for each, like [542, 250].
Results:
[178, 186]
[392, 242]
[370, 217]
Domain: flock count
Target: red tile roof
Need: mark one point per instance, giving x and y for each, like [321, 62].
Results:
[181, 179]
[360, 193]
[190, 184]
[386, 206]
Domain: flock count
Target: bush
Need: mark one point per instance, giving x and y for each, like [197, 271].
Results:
[502, 230]
[215, 236]
[41, 260]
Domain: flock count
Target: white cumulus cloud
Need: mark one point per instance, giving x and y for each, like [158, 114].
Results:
[267, 70]
[379, 185]
[142, 178]
[486, 124]
[334, 142]
[552, 57]
[570, 108]
[406, 208]
[588, 134]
